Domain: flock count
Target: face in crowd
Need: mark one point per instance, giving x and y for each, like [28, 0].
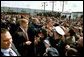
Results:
[24, 23]
[6, 40]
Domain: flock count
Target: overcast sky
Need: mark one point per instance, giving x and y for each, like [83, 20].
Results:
[70, 6]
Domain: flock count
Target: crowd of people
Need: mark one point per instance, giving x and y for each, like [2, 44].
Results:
[41, 35]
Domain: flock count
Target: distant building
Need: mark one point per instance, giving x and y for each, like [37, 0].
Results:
[21, 10]
[74, 15]
[67, 14]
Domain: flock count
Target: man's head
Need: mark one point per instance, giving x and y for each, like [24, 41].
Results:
[23, 23]
[36, 21]
[49, 22]
[6, 39]
[58, 32]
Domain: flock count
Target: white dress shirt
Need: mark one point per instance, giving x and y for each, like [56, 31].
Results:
[6, 52]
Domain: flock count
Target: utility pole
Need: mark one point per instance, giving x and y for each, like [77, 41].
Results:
[52, 6]
[44, 5]
[63, 7]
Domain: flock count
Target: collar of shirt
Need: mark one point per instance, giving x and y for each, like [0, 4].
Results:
[23, 29]
[5, 51]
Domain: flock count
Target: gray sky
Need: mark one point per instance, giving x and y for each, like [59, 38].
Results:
[70, 6]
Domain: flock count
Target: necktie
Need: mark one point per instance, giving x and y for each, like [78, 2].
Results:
[26, 35]
[11, 53]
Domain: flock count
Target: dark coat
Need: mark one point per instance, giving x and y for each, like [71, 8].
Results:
[19, 39]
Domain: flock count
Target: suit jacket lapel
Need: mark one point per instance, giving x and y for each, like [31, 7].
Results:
[24, 34]
[15, 50]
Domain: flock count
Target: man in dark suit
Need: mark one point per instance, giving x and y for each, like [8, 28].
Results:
[7, 45]
[22, 40]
